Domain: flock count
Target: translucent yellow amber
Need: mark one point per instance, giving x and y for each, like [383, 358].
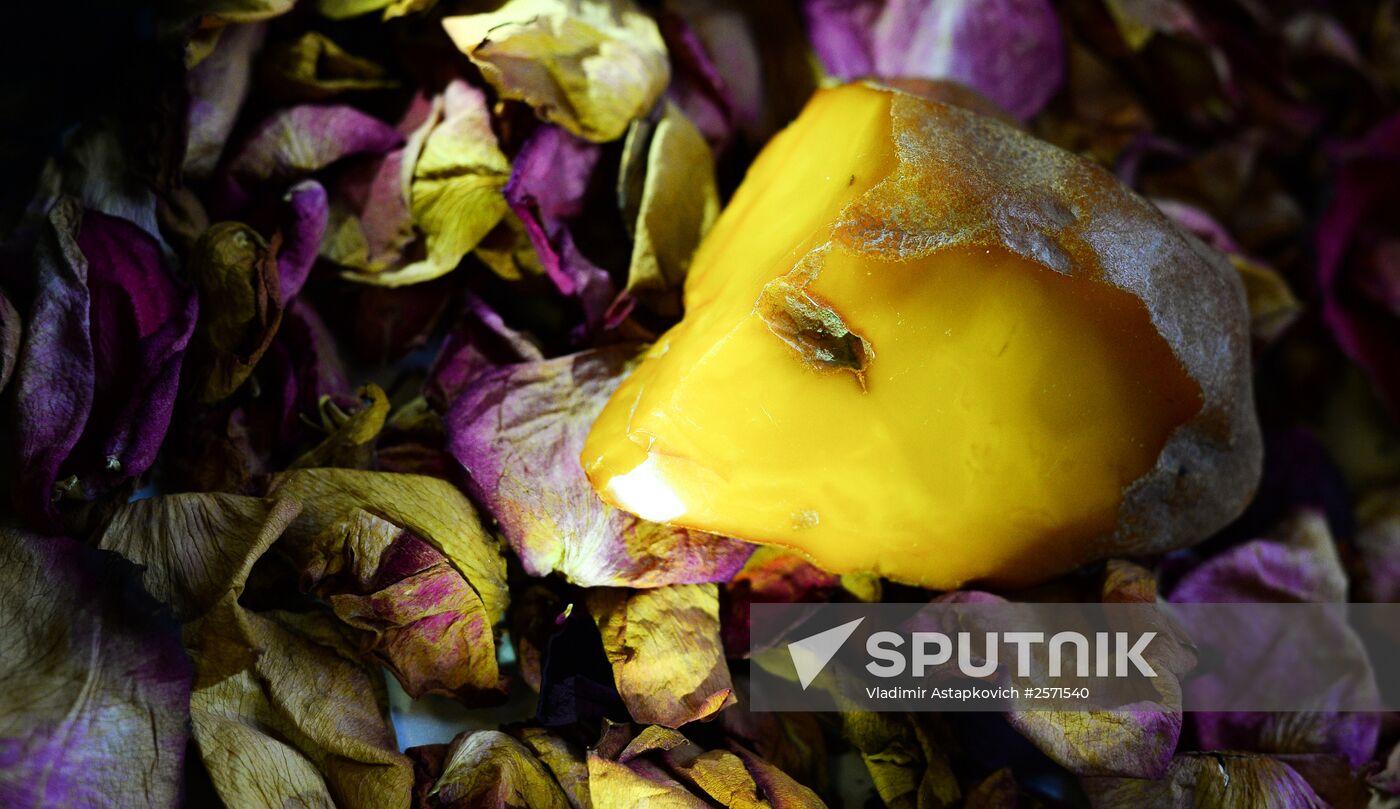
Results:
[978, 422]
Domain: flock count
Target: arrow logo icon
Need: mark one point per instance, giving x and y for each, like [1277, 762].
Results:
[811, 654]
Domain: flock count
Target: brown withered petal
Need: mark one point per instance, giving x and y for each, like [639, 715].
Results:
[488, 769]
[313, 67]
[236, 273]
[677, 205]
[566, 761]
[351, 441]
[997, 791]
[665, 650]
[434, 510]
[906, 760]
[10, 331]
[792, 742]
[413, 611]
[304, 725]
[661, 766]
[1378, 548]
[196, 548]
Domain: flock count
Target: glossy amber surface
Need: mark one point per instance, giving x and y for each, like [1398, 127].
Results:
[964, 415]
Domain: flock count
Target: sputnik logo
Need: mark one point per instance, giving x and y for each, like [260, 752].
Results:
[811, 654]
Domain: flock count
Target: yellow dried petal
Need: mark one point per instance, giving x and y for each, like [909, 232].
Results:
[678, 204]
[590, 66]
[665, 650]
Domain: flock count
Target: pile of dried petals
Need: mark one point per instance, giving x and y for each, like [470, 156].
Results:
[307, 308]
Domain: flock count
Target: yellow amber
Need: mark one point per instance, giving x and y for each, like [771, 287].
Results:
[966, 415]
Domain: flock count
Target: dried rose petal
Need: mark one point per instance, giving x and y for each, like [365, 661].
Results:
[1301, 564]
[300, 140]
[1137, 741]
[217, 87]
[548, 186]
[490, 770]
[665, 651]
[301, 724]
[237, 275]
[905, 757]
[11, 330]
[518, 431]
[302, 226]
[95, 704]
[1357, 262]
[1010, 51]
[431, 509]
[455, 188]
[676, 205]
[96, 385]
[415, 613]
[589, 66]
[663, 766]
[1223, 780]
[196, 548]
[313, 68]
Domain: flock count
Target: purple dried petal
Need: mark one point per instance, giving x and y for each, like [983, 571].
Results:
[297, 141]
[303, 224]
[697, 86]
[1209, 779]
[372, 223]
[1356, 256]
[548, 186]
[1301, 566]
[141, 323]
[97, 685]
[217, 88]
[300, 367]
[519, 431]
[97, 383]
[1138, 741]
[1010, 51]
[416, 614]
[54, 380]
[483, 341]
[726, 35]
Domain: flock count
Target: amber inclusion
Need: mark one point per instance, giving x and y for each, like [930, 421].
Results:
[964, 415]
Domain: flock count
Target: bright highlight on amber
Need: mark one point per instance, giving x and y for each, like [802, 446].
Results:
[903, 357]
